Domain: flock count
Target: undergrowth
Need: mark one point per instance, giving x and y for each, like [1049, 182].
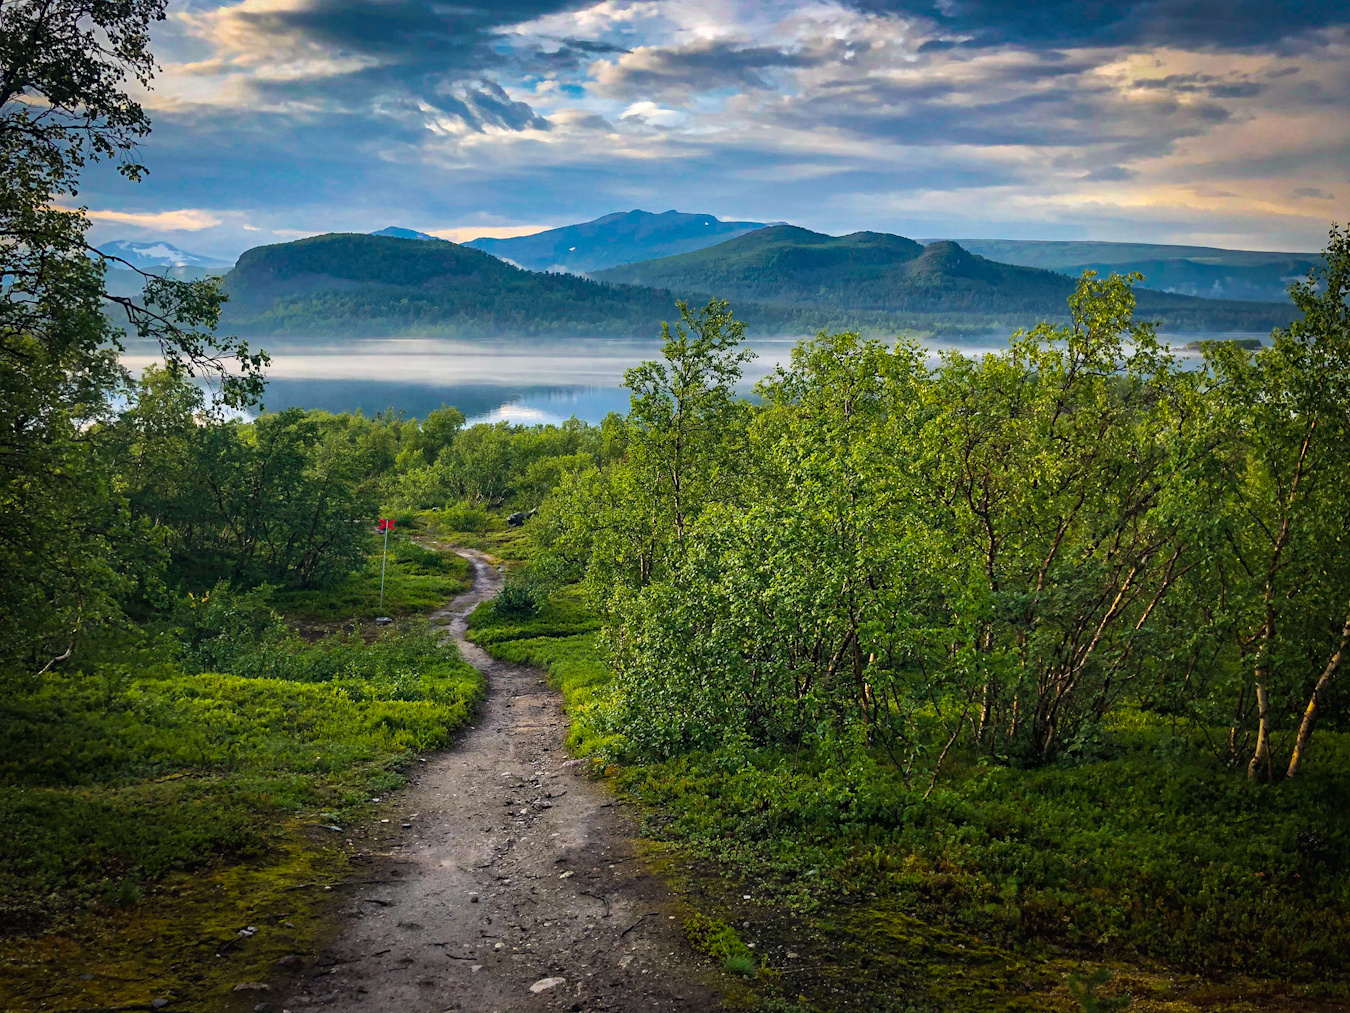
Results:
[417, 579]
[1152, 852]
[113, 777]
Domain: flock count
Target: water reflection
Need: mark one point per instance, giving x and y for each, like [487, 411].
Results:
[525, 382]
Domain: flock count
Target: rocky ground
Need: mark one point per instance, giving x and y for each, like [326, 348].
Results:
[503, 878]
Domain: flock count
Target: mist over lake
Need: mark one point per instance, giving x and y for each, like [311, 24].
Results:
[545, 381]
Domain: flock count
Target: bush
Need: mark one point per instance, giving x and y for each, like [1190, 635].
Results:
[1149, 849]
[517, 598]
[466, 517]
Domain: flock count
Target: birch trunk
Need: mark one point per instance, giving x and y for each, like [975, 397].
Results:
[1262, 733]
[1310, 713]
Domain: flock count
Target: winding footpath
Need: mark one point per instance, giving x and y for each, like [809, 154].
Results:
[505, 880]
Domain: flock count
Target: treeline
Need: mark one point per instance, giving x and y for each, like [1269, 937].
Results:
[170, 496]
[377, 285]
[994, 556]
[868, 276]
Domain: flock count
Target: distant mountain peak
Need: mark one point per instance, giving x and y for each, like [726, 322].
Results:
[395, 232]
[621, 237]
[142, 254]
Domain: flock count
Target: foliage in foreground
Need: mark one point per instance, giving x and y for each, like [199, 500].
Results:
[1155, 851]
[114, 775]
[997, 553]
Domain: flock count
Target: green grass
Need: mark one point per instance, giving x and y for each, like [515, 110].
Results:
[1152, 853]
[721, 942]
[1188, 864]
[417, 580]
[485, 530]
[184, 782]
[563, 615]
[115, 778]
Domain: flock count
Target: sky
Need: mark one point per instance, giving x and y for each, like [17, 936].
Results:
[1169, 121]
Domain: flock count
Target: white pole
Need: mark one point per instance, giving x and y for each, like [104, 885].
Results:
[383, 563]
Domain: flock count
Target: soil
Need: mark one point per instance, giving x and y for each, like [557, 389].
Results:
[505, 879]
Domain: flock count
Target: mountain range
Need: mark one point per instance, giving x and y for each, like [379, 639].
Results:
[1186, 270]
[781, 280]
[394, 232]
[878, 272]
[633, 237]
[613, 240]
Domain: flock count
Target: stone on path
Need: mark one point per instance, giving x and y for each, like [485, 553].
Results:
[544, 984]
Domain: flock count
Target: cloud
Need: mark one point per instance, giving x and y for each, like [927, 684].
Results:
[183, 220]
[706, 65]
[1199, 24]
[422, 62]
[304, 116]
[464, 233]
[1110, 174]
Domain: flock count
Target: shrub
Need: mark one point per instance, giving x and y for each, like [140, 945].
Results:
[466, 517]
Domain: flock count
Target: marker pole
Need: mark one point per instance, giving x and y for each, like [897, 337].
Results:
[383, 563]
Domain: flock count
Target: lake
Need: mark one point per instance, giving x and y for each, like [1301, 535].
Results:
[490, 381]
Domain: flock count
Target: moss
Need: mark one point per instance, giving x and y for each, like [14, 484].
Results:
[182, 940]
[719, 940]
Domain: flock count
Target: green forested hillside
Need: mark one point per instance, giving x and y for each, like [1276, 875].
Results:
[1188, 270]
[786, 281]
[370, 285]
[876, 272]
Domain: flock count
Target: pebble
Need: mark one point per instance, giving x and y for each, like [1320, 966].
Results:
[158, 1003]
[544, 984]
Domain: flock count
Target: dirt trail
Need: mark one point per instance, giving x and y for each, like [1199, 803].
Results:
[500, 869]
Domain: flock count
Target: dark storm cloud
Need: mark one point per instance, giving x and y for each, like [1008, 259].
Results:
[1207, 84]
[704, 65]
[411, 33]
[405, 55]
[1193, 24]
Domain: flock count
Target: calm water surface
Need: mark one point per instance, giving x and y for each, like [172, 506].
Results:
[490, 381]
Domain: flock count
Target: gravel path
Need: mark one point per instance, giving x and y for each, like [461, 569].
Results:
[505, 880]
